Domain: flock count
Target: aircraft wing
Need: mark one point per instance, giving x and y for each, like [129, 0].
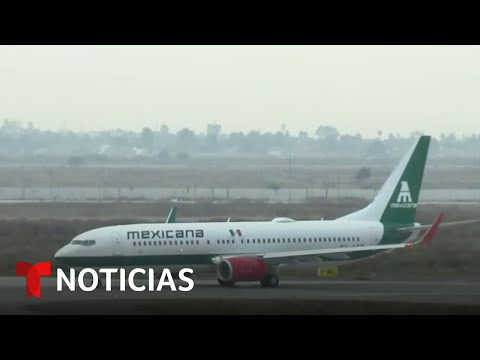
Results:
[333, 254]
[342, 253]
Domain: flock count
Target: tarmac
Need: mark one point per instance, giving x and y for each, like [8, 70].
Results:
[290, 297]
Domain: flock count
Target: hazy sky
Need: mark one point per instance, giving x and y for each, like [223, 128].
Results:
[354, 88]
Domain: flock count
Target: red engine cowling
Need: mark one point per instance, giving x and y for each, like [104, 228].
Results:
[242, 269]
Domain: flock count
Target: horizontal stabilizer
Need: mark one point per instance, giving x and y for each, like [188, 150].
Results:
[442, 225]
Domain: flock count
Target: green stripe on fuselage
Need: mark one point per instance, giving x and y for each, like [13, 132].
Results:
[99, 261]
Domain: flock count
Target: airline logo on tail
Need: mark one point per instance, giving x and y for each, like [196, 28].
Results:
[404, 199]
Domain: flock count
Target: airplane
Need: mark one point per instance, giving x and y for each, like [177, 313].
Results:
[253, 251]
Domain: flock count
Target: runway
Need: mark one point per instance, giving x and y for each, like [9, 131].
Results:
[291, 297]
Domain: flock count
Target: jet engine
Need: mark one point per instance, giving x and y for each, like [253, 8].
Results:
[235, 269]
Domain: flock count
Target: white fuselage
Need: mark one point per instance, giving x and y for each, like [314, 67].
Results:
[198, 243]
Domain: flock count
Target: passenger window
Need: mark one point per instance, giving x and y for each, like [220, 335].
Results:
[248, 241]
[170, 242]
[198, 242]
[242, 241]
[176, 242]
[139, 243]
[233, 241]
[134, 243]
[208, 242]
[181, 242]
[223, 242]
[154, 243]
[144, 243]
[268, 240]
[263, 241]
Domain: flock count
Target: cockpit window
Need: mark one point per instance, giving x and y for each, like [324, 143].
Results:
[84, 242]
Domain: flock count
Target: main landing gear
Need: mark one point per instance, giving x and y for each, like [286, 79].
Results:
[271, 280]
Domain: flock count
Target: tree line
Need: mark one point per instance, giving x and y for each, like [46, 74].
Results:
[18, 141]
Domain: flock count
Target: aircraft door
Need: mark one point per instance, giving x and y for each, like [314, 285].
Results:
[242, 241]
[117, 244]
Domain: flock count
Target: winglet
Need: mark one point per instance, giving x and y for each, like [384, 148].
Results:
[171, 216]
[432, 230]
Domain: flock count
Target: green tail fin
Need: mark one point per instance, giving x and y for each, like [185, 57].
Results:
[396, 202]
[402, 206]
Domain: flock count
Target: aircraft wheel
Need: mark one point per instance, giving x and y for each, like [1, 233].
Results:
[270, 281]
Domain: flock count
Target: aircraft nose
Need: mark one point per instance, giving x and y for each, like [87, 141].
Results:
[61, 254]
